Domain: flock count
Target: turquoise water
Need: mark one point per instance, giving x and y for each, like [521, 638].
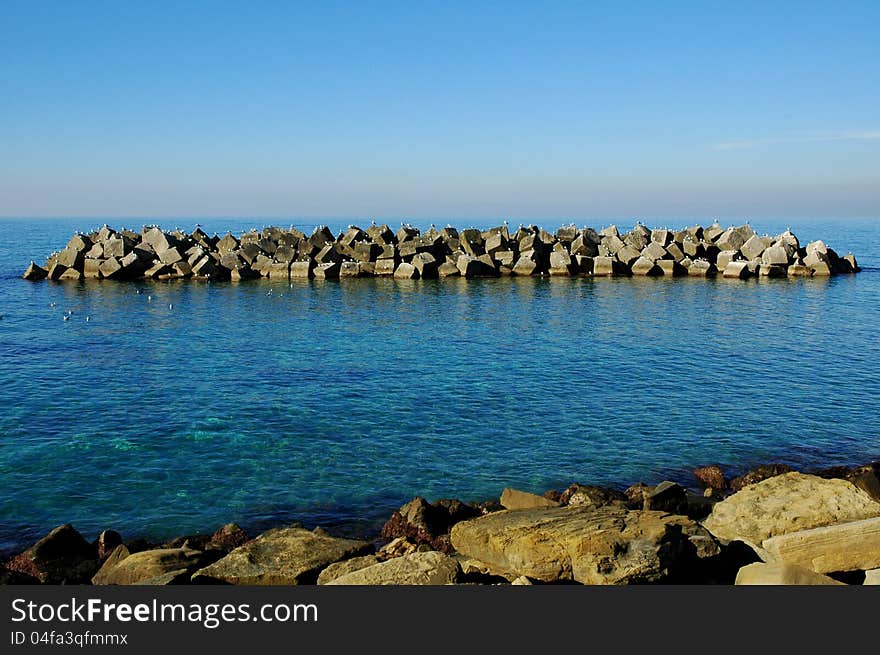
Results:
[333, 403]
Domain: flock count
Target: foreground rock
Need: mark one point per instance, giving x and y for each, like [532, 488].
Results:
[761, 573]
[591, 545]
[788, 503]
[284, 556]
[61, 557]
[427, 568]
[339, 569]
[158, 566]
[515, 499]
[851, 546]
[427, 523]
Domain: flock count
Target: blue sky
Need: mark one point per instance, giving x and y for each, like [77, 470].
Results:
[458, 110]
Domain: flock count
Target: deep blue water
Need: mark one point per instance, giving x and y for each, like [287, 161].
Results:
[333, 403]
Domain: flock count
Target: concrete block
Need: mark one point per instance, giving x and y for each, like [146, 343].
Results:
[327, 271]
[603, 266]
[170, 256]
[675, 252]
[671, 268]
[646, 266]
[753, 248]
[426, 264]
[448, 269]
[775, 255]
[738, 269]
[731, 239]
[406, 271]
[661, 236]
[302, 269]
[384, 267]
[561, 263]
[772, 270]
[654, 251]
[350, 269]
[628, 255]
[279, 271]
[583, 264]
[701, 268]
[724, 258]
[35, 272]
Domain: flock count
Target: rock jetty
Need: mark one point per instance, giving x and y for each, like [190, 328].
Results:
[408, 253]
[780, 527]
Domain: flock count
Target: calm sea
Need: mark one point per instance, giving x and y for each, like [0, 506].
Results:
[190, 405]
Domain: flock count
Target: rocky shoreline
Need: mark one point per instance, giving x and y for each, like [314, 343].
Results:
[287, 254]
[772, 525]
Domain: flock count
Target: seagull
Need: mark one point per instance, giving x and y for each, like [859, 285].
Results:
[66, 318]
[52, 304]
[170, 305]
[88, 319]
[137, 291]
[149, 298]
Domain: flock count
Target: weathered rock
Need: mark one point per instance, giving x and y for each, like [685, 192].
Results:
[106, 543]
[35, 273]
[137, 567]
[285, 556]
[872, 577]
[428, 568]
[866, 478]
[8, 577]
[788, 503]
[758, 474]
[228, 537]
[581, 494]
[849, 546]
[426, 523]
[605, 545]
[515, 499]
[761, 573]
[61, 557]
[667, 497]
[448, 269]
[338, 569]
[711, 476]
[399, 546]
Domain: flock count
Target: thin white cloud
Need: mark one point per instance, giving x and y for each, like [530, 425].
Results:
[748, 144]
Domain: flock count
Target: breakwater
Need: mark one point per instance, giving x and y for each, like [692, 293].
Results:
[408, 253]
